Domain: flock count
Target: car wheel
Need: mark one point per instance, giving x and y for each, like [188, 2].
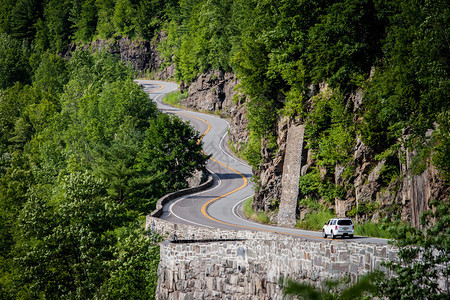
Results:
[324, 234]
[350, 236]
[332, 235]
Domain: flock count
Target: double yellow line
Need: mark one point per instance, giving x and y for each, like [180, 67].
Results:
[205, 206]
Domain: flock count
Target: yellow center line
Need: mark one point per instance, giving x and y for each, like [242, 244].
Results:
[158, 89]
[205, 206]
[204, 133]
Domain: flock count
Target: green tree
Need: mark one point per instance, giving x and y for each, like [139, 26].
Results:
[57, 20]
[134, 268]
[408, 89]
[105, 26]
[13, 63]
[423, 257]
[345, 42]
[170, 146]
[136, 188]
[124, 18]
[149, 18]
[6, 8]
[84, 17]
[24, 16]
[51, 74]
[66, 257]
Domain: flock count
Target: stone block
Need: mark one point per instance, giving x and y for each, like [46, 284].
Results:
[210, 283]
[234, 280]
[341, 267]
[392, 255]
[353, 269]
[343, 256]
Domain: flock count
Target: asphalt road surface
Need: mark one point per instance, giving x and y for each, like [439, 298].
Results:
[220, 206]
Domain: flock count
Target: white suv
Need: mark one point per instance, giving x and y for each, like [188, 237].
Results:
[338, 227]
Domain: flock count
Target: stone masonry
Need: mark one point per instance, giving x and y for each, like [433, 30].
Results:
[291, 175]
[206, 263]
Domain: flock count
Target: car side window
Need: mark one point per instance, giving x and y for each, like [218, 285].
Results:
[334, 222]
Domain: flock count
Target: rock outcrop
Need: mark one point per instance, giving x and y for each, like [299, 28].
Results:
[368, 198]
[216, 92]
[417, 190]
[142, 55]
[212, 92]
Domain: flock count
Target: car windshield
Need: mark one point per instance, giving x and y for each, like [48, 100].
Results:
[345, 222]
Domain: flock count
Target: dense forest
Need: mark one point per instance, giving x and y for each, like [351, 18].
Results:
[83, 152]
[84, 156]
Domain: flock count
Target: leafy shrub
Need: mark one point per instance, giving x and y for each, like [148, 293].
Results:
[390, 170]
[423, 257]
[329, 129]
[312, 186]
[363, 209]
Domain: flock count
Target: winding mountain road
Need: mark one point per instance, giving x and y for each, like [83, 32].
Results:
[220, 206]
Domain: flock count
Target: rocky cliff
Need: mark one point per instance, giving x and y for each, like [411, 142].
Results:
[216, 92]
[367, 197]
[142, 55]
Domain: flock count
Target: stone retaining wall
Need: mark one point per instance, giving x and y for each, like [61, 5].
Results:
[248, 265]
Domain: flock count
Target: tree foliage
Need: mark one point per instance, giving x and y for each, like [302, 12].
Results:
[423, 258]
[13, 64]
[83, 120]
[84, 154]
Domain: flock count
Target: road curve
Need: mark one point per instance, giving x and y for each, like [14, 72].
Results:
[219, 206]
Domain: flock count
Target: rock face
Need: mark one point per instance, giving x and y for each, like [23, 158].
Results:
[369, 198]
[418, 190]
[142, 55]
[215, 91]
[212, 91]
[268, 195]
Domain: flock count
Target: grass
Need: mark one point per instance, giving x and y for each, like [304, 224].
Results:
[315, 220]
[174, 98]
[252, 214]
[232, 147]
[372, 230]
